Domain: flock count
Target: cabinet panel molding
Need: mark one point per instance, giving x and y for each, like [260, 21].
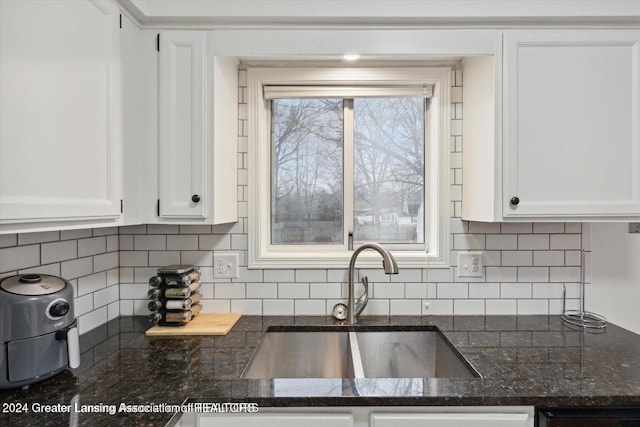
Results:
[60, 131]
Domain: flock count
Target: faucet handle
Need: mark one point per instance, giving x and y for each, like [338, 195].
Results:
[365, 283]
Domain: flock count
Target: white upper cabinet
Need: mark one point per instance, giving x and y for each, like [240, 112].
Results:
[182, 109]
[566, 139]
[197, 106]
[60, 124]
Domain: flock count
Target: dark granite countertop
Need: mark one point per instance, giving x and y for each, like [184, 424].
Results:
[524, 360]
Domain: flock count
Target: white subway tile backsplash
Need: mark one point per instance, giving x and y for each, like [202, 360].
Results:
[501, 274]
[463, 307]
[53, 269]
[92, 320]
[526, 264]
[293, 290]
[229, 290]
[197, 258]
[163, 258]
[484, 290]
[548, 227]
[277, 307]
[452, 290]
[134, 258]
[7, 240]
[279, 275]
[214, 242]
[387, 290]
[547, 290]
[565, 241]
[19, 257]
[105, 261]
[59, 251]
[501, 307]
[515, 290]
[249, 307]
[516, 227]
[325, 290]
[113, 310]
[185, 242]
[484, 228]
[262, 290]
[83, 305]
[533, 241]
[41, 237]
[416, 290]
[150, 242]
[92, 283]
[438, 307]
[76, 268]
[407, 275]
[310, 307]
[311, 275]
[517, 258]
[106, 296]
[406, 307]
[77, 234]
[533, 274]
[163, 229]
[533, 306]
[468, 241]
[92, 246]
[564, 274]
[377, 307]
[548, 258]
[142, 274]
[195, 229]
[502, 241]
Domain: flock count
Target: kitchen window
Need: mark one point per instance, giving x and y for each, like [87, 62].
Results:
[339, 157]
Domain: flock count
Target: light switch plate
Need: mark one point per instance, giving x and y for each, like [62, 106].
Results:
[470, 264]
[225, 265]
[634, 227]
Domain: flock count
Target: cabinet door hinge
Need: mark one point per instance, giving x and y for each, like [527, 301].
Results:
[121, 206]
[120, 20]
[158, 42]
[158, 208]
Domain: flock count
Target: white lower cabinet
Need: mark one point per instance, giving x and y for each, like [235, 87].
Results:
[449, 420]
[430, 416]
[276, 420]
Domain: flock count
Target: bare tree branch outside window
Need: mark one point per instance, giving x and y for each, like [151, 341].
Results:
[307, 179]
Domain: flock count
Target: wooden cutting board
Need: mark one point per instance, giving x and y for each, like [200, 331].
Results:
[202, 324]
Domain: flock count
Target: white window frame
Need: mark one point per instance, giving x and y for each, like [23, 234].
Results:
[261, 253]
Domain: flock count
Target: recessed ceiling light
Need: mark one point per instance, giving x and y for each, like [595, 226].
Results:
[351, 57]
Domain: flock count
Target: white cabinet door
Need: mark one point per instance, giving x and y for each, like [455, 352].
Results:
[276, 420]
[60, 129]
[449, 420]
[182, 138]
[571, 124]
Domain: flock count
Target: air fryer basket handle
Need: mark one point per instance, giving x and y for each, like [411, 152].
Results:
[73, 347]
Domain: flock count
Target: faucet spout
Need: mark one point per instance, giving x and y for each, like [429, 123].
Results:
[390, 267]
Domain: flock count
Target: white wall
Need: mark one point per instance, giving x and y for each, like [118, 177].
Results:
[615, 275]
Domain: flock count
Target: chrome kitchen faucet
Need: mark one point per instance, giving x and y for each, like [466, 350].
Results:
[354, 308]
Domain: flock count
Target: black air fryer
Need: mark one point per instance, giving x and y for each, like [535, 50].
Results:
[38, 330]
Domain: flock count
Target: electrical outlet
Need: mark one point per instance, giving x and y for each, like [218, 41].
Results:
[225, 265]
[470, 264]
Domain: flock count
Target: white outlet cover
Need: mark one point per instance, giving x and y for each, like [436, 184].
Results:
[225, 265]
[470, 264]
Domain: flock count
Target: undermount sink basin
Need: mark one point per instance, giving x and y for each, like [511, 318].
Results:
[290, 352]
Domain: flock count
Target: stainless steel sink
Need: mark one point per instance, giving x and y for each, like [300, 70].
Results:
[290, 352]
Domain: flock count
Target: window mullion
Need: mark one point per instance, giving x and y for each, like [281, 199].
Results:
[348, 177]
